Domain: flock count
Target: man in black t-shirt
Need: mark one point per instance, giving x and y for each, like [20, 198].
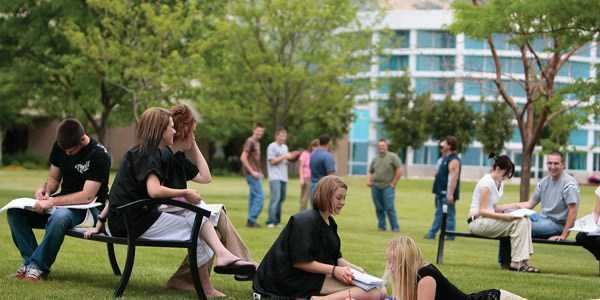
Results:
[80, 166]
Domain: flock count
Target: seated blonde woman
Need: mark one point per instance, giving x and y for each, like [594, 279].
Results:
[412, 278]
[487, 219]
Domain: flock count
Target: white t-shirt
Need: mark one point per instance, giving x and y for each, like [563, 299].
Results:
[280, 170]
[495, 194]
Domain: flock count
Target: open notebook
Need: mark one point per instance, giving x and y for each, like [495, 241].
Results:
[28, 203]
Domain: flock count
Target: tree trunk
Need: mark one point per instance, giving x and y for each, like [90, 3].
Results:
[525, 173]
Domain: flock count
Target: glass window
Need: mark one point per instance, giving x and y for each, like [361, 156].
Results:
[426, 155]
[484, 88]
[434, 86]
[435, 63]
[435, 39]
[393, 62]
[584, 51]
[510, 65]
[420, 156]
[596, 138]
[514, 89]
[578, 138]
[398, 39]
[471, 157]
[502, 42]
[577, 160]
[478, 63]
[596, 162]
[471, 43]
[360, 125]
[360, 152]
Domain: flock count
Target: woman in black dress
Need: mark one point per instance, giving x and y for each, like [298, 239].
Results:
[305, 260]
[414, 279]
[142, 175]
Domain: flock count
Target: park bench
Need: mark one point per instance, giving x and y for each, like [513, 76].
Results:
[444, 233]
[132, 242]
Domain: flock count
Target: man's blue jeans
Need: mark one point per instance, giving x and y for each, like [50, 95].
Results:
[22, 222]
[255, 198]
[541, 227]
[278, 191]
[384, 200]
[440, 200]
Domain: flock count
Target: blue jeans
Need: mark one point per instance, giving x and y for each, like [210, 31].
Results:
[440, 200]
[541, 227]
[22, 222]
[255, 198]
[384, 200]
[278, 191]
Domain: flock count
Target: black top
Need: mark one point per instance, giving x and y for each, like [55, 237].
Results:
[180, 171]
[440, 183]
[92, 162]
[305, 238]
[445, 290]
[130, 186]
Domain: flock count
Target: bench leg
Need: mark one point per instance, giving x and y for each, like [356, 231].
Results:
[442, 238]
[110, 248]
[194, 269]
[127, 271]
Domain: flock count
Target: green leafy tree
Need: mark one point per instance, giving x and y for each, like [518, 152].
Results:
[102, 61]
[494, 127]
[455, 118]
[405, 116]
[563, 27]
[281, 62]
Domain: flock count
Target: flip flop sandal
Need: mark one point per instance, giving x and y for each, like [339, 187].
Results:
[235, 269]
[525, 269]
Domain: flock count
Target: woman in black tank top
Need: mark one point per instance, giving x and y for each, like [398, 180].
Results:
[412, 278]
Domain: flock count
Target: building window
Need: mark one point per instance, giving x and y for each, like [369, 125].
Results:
[434, 86]
[393, 63]
[596, 161]
[471, 43]
[398, 39]
[485, 88]
[578, 138]
[383, 86]
[478, 63]
[426, 155]
[435, 63]
[360, 126]
[577, 160]
[575, 70]
[471, 157]
[516, 136]
[435, 39]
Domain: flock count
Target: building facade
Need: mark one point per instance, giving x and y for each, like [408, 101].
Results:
[445, 64]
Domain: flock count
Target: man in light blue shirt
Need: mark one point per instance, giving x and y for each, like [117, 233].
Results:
[321, 163]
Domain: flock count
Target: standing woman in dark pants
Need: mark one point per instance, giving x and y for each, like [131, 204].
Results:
[592, 242]
[305, 260]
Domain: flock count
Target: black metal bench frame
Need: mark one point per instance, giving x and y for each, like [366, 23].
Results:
[444, 233]
[132, 242]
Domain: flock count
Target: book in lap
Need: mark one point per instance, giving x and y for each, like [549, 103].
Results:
[522, 212]
[29, 203]
[365, 281]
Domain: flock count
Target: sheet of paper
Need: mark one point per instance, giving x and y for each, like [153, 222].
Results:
[587, 224]
[522, 212]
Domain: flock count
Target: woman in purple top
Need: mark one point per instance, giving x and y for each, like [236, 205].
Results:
[304, 174]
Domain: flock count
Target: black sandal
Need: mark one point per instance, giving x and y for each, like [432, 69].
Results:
[525, 268]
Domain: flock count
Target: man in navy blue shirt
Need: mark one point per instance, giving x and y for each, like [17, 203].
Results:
[321, 162]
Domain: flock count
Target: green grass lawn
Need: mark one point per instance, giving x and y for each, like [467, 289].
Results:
[82, 269]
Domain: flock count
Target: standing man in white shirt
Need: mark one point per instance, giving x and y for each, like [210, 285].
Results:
[277, 160]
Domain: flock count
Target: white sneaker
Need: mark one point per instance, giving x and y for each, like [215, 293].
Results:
[34, 274]
[21, 272]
